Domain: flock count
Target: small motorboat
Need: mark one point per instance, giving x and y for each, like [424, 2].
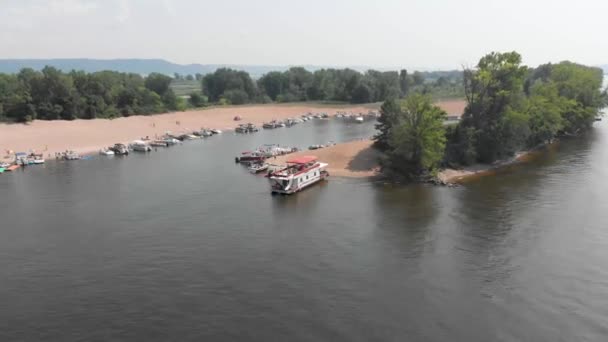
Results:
[106, 152]
[187, 137]
[169, 140]
[120, 149]
[257, 168]
[11, 168]
[70, 155]
[315, 147]
[159, 143]
[205, 133]
[140, 146]
[359, 119]
[216, 131]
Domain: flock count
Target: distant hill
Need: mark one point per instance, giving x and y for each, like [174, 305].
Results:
[139, 66]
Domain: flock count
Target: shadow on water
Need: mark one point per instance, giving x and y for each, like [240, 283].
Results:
[407, 212]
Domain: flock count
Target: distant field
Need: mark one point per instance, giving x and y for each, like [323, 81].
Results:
[183, 87]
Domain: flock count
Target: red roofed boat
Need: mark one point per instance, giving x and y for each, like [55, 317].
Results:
[300, 173]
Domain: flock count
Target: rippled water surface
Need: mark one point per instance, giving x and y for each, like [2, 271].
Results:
[184, 245]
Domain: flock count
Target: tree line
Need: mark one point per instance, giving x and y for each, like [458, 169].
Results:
[51, 94]
[344, 85]
[510, 107]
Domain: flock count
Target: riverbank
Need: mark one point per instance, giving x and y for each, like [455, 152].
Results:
[458, 176]
[355, 159]
[86, 136]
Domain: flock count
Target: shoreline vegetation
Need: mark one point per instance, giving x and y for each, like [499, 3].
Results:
[510, 108]
[51, 94]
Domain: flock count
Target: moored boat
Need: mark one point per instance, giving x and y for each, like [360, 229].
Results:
[120, 149]
[140, 146]
[70, 155]
[359, 119]
[106, 152]
[250, 157]
[159, 143]
[12, 167]
[258, 167]
[299, 173]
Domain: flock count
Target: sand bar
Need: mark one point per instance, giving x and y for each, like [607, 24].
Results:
[356, 159]
[86, 136]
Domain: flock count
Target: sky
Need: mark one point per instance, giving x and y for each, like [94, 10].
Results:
[419, 34]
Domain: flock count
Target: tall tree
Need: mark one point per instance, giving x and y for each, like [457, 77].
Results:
[404, 83]
[390, 114]
[417, 143]
[492, 90]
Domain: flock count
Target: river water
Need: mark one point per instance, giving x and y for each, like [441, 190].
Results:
[184, 245]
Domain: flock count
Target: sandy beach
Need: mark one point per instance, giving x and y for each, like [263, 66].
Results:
[87, 136]
[355, 159]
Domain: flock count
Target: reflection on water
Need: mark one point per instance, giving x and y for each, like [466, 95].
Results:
[183, 244]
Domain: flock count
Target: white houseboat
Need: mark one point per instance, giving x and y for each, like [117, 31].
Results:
[300, 173]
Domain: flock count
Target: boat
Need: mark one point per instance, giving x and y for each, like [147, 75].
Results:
[250, 157]
[299, 174]
[140, 146]
[170, 140]
[159, 143]
[12, 167]
[269, 125]
[21, 159]
[70, 155]
[106, 152]
[205, 133]
[216, 131]
[315, 147]
[246, 128]
[258, 167]
[359, 119]
[38, 160]
[1, 170]
[186, 137]
[119, 149]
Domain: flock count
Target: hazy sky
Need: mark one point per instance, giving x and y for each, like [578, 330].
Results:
[378, 33]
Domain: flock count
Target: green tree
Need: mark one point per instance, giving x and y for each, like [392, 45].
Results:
[418, 78]
[492, 90]
[404, 83]
[362, 94]
[196, 100]
[226, 82]
[417, 143]
[390, 114]
[158, 83]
